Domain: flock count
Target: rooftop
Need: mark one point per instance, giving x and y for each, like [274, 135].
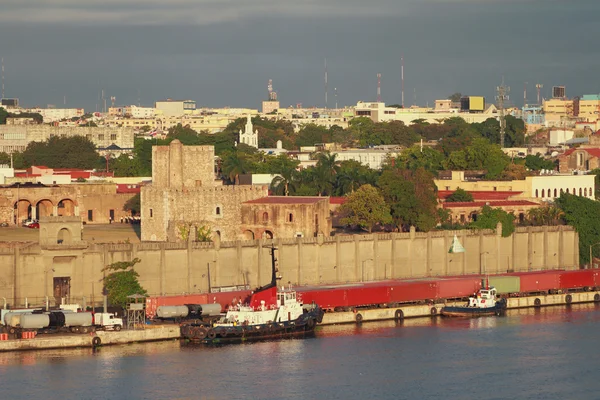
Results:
[287, 200]
[506, 203]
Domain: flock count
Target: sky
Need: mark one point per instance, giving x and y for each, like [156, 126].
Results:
[223, 52]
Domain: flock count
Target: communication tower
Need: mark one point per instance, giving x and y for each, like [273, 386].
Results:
[539, 87]
[325, 83]
[272, 93]
[379, 88]
[525, 94]
[501, 97]
[402, 77]
[2, 78]
[112, 101]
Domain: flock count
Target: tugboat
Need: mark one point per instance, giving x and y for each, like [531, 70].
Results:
[271, 313]
[483, 303]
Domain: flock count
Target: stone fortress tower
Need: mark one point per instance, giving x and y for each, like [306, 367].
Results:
[184, 196]
[249, 137]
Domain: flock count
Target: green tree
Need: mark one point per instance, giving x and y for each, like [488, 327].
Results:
[286, 168]
[545, 215]
[352, 175]
[62, 152]
[455, 97]
[3, 116]
[124, 165]
[412, 197]
[459, 195]
[326, 172]
[235, 164]
[312, 134]
[133, 205]
[596, 173]
[582, 214]
[365, 208]
[413, 158]
[537, 163]
[121, 280]
[184, 134]
[489, 218]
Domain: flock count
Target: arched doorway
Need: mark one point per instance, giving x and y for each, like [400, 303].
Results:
[64, 236]
[248, 235]
[66, 208]
[44, 208]
[22, 211]
[267, 235]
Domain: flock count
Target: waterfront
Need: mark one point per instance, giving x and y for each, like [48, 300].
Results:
[548, 353]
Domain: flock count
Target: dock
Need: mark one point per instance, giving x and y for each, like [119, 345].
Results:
[159, 332]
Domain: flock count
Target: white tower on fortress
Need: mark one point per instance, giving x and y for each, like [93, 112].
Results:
[248, 136]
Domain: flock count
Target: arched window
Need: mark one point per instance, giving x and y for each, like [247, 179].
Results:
[567, 190]
[555, 192]
[290, 217]
[574, 191]
[543, 193]
[562, 191]
[218, 211]
[580, 191]
[537, 193]
[265, 217]
[549, 192]
[585, 192]
[591, 192]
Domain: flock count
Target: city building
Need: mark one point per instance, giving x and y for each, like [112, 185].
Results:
[286, 217]
[534, 188]
[175, 108]
[184, 196]
[15, 138]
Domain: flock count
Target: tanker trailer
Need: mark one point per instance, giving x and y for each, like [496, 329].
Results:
[34, 322]
[80, 322]
[189, 311]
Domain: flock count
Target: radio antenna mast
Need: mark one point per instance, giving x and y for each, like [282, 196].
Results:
[501, 97]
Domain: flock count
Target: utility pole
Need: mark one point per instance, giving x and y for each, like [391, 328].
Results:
[2, 77]
[502, 95]
[326, 83]
[402, 77]
[379, 88]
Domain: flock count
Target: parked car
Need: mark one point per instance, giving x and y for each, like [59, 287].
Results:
[27, 222]
[34, 225]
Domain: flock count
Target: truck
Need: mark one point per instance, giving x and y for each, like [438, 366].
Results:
[108, 321]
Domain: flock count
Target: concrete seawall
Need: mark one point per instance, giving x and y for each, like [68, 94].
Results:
[170, 332]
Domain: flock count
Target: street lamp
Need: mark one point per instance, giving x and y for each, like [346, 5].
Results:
[591, 257]
[483, 264]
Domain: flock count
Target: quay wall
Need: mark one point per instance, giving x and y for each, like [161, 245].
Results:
[30, 271]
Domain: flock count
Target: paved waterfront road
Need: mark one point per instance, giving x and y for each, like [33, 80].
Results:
[553, 353]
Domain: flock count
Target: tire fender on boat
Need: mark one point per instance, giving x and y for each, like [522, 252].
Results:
[433, 311]
[96, 341]
[399, 315]
[597, 297]
[223, 332]
[211, 334]
[310, 323]
[200, 333]
[537, 302]
[359, 318]
[569, 299]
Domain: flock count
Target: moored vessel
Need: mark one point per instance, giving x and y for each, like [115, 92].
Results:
[272, 312]
[484, 302]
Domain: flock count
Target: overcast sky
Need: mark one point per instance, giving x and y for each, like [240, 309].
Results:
[223, 52]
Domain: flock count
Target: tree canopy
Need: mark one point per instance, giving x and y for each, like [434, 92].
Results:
[122, 281]
[582, 214]
[365, 208]
[459, 195]
[63, 152]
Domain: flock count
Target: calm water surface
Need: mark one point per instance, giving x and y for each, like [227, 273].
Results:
[553, 353]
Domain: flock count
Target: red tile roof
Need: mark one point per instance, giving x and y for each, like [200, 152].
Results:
[337, 200]
[594, 151]
[287, 200]
[128, 188]
[482, 194]
[507, 203]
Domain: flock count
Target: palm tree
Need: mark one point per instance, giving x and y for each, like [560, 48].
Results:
[234, 164]
[286, 168]
[326, 171]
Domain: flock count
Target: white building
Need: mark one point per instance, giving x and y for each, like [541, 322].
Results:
[372, 158]
[140, 112]
[249, 136]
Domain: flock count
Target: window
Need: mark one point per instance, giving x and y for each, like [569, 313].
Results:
[265, 217]
[101, 137]
[495, 188]
[151, 213]
[90, 215]
[580, 191]
[537, 193]
[290, 217]
[543, 193]
[218, 211]
[113, 136]
[585, 192]
[555, 193]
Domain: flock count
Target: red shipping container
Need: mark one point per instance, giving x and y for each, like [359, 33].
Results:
[458, 287]
[368, 295]
[541, 281]
[406, 292]
[578, 279]
[328, 297]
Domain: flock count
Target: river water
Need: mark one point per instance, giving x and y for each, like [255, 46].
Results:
[552, 353]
